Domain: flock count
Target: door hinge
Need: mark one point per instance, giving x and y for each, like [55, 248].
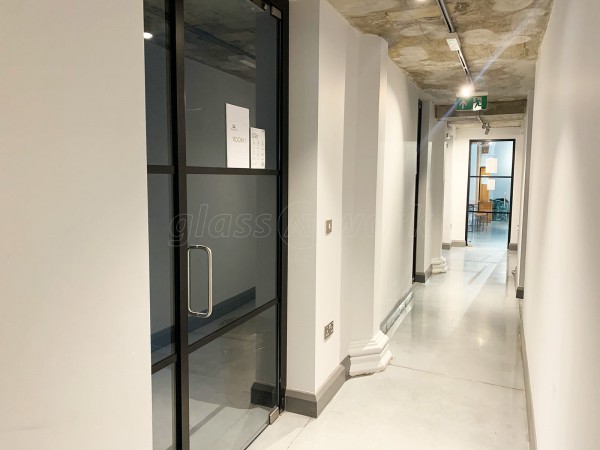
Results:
[276, 12]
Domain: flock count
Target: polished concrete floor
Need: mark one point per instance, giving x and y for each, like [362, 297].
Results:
[456, 380]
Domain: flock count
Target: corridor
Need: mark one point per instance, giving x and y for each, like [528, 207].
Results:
[455, 381]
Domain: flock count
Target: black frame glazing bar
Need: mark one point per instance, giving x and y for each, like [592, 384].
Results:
[161, 170]
[182, 433]
[192, 170]
[282, 266]
[157, 367]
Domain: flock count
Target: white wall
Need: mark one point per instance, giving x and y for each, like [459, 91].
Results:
[303, 148]
[525, 179]
[332, 76]
[74, 297]
[353, 132]
[460, 171]
[562, 304]
[396, 193]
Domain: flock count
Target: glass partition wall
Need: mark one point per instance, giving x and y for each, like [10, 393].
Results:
[216, 203]
[489, 203]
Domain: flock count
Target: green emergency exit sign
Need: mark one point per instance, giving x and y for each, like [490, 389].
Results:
[475, 103]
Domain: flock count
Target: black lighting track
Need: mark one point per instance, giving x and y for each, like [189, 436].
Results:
[446, 16]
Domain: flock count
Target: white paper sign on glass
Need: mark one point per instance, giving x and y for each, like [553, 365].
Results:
[491, 165]
[257, 148]
[238, 136]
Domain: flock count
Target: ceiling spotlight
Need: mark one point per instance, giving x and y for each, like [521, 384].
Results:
[467, 91]
[487, 129]
[148, 35]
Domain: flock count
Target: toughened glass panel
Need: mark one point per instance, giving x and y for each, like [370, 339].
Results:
[231, 56]
[163, 416]
[233, 385]
[236, 217]
[161, 265]
[158, 84]
[473, 194]
[502, 151]
[492, 158]
[471, 226]
[500, 190]
[474, 158]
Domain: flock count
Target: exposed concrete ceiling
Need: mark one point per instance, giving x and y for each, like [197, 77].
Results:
[500, 41]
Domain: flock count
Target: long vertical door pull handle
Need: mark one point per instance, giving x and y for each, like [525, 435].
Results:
[208, 312]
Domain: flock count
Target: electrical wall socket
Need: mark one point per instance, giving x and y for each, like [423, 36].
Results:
[328, 331]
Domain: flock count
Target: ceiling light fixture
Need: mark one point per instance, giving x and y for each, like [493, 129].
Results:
[453, 42]
[148, 35]
[467, 91]
[484, 126]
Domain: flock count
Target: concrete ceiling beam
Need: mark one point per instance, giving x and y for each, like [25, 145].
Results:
[444, 112]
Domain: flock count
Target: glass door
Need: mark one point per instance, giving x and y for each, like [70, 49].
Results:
[489, 206]
[215, 118]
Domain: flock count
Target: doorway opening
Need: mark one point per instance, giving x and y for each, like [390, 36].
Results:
[216, 121]
[490, 193]
[416, 218]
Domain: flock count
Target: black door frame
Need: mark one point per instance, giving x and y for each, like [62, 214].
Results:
[512, 185]
[416, 219]
[179, 172]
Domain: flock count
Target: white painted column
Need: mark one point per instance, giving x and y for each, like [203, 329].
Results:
[368, 349]
[448, 195]
[522, 248]
[423, 261]
[437, 138]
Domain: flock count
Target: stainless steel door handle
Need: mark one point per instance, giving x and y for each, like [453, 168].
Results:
[208, 312]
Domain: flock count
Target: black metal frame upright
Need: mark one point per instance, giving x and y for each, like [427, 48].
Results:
[179, 171]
